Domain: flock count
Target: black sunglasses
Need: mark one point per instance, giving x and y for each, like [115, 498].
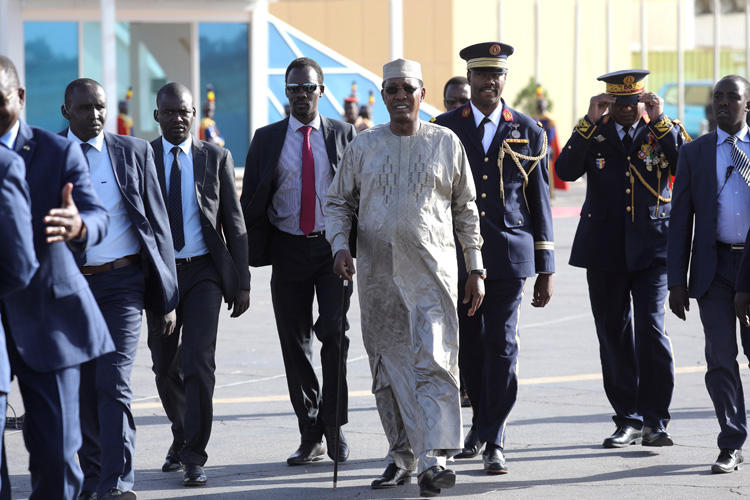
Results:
[450, 101]
[393, 90]
[296, 88]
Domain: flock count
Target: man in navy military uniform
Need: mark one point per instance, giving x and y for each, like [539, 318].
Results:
[508, 155]
[621, 240]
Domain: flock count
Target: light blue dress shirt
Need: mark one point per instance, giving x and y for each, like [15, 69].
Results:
[9, 138]
[490, 127]
[121, 239]
[191, 220]
[733, 193]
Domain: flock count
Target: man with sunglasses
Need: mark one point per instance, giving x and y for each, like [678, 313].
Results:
[288, 169]
[508, 157]
[410, 182]
[456, 93]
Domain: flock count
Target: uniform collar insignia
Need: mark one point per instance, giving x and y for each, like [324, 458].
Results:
[507, 115]
[466, 111]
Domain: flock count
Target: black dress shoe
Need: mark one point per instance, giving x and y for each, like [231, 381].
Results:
[625, 435]
[172, 462]
[308, 451]
[330, 434]
[472, 445]
[194, 475]
[656, 437]
[115, 494]
[87, 495]
[494, 460]
[729, 460]
[392, 476]
[432, 480]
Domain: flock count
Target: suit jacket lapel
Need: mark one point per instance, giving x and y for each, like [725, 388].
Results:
[117, 159]
[708, 165]
[279, 136]
[470, 127]
[330, 139]
[159, 163]
[199, 169]
[609, 131]
[25, 143]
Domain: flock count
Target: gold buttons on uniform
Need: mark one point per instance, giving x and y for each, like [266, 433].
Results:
[486, 159]
[481, 213]
[484, 195]
[484, 177]
[589, 215]
[520, 222]
[628, 158]
[627, 191]
[627, 209]
[663, 214]
[627, 174]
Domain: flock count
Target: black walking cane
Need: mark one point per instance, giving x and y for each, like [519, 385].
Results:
[340, 372]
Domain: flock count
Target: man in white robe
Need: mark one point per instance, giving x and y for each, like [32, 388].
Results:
[410, 185]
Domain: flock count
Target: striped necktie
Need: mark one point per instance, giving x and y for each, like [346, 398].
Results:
[740, 160]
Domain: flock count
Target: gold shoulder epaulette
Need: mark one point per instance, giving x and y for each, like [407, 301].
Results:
[685, 136]
[585, 128]
[432, 120]
[540, 124]
[662, 127]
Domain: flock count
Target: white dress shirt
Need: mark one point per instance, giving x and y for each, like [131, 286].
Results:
[490, 127]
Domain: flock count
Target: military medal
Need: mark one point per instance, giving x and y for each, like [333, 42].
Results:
[515, 134]
[600, 163]
[599, 138]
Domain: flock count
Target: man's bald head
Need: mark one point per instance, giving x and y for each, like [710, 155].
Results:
[174, 112]
[740, 80]
[12, 95]
[82, 84]
[173, 89]
[731, 102]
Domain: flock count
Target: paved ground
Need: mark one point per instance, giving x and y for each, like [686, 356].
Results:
[555, 430]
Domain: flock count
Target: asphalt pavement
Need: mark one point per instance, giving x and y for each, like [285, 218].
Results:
[555, 431]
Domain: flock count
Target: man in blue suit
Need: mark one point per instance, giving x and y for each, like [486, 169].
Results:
[131, 269]
[710, 220]
[17, 258]
[508, 157]
[54, 324]
[621, 241]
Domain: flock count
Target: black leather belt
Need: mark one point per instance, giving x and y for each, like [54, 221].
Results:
[109, 266]
[732, 247]
[188, 260]
[316, 234]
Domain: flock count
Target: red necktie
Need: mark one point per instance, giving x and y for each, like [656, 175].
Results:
[307, 208]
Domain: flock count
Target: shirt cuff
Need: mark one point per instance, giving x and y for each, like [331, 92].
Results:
[473, 258]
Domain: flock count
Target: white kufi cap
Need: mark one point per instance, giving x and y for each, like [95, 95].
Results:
[402, 68]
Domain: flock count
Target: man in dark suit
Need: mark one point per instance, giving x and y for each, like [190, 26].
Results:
[210, 242]
[54, 324]
[17, 258]
[508, 158]
[710, 220]
[289, 166]
[622, 242]
[131, 269]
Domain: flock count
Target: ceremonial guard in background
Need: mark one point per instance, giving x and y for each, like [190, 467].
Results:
[621, 240]
[507, 151]
[208, 131]
[124, 120]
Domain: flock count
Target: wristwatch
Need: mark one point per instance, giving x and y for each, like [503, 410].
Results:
[481, 272]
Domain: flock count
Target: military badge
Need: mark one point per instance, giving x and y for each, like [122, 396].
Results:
[495, 49]
[517, 141]
[600, 163]
[432, 120]
[605, 120]
[515, 134]
[662, 127]
[599, 138]
[641, 154]
[507, 115]
[466, 112]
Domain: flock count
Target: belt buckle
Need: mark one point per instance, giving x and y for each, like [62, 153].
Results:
[316, 234]
[737, 247]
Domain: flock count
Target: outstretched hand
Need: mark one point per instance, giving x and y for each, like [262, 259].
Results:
[64, 223]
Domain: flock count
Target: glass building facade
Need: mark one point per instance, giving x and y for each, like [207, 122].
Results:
[150, 54]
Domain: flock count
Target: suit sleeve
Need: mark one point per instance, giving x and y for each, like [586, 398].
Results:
[670, 137]
[156, 213]
[537, 195]
[680, 231]
[743, 276]
[250, 180]
[92, 213]
[571, 164]
[17, 257]
[232, 221]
